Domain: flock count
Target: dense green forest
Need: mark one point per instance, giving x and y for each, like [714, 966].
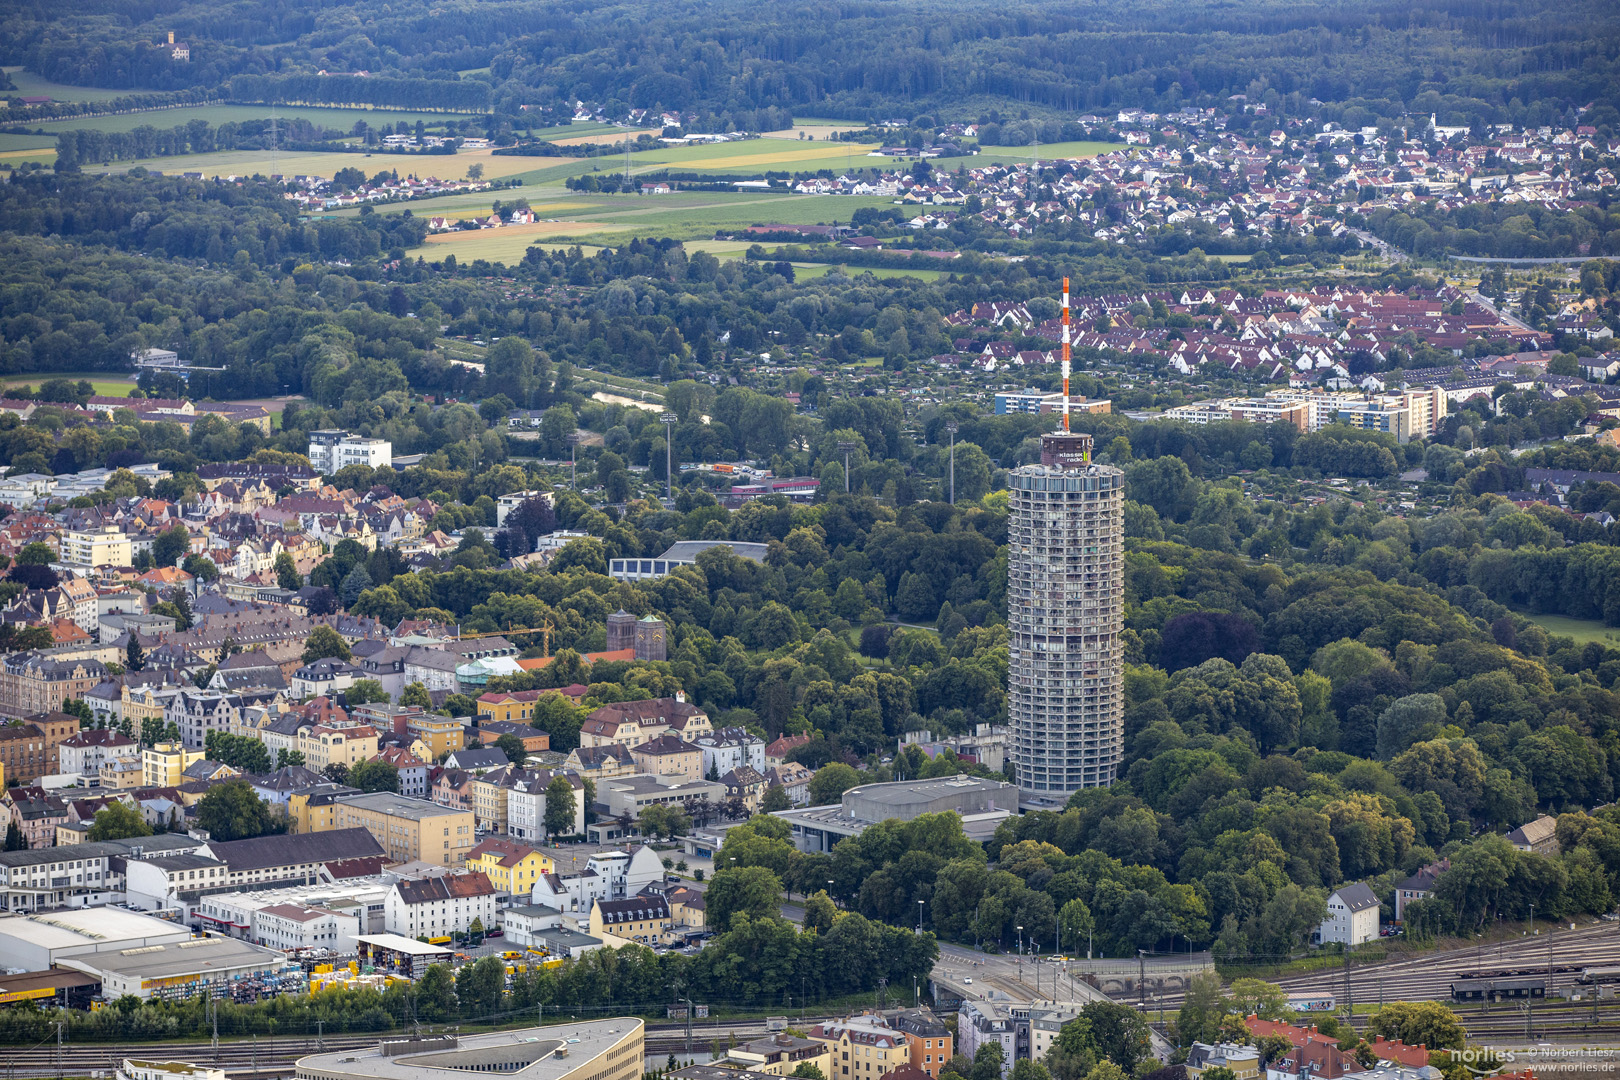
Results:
[1469, 59]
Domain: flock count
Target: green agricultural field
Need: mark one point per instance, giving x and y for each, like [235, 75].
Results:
[1582, 630]
[755, 157]
[316, 163]
[615, 218]
[31, 85]
[335, 119]
[17, 149]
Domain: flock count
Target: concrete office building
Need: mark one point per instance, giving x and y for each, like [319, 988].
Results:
[1065, 614]
[981, 804]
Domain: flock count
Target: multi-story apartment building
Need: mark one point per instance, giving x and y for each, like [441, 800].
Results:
[122, 774]
[103, 545]
[862, 1048]
[83, 753]
[345, 744]
[412, 771]
[164, 764]
[511, 867]
[731, 748]
[314, 809]
[1297, 414]
[671, 756]
[439, 735]
[197, 712]
[1065, 615]
[632, 723]
[642, 918]
[526, 805]
[38, 682]
[79, 875]
[431, 907]
[981, 1022]
[243, 865]
[32, 748]
[410, 829]
[927, 1037]
[334, 449]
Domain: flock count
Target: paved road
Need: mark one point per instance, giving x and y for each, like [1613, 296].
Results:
[1486, 302]
[1388, 251]
[1566, 260]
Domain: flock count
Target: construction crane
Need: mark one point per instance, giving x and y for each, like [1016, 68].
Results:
[546, 630]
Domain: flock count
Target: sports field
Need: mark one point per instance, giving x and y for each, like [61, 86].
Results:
[105, 383]
[336, 119]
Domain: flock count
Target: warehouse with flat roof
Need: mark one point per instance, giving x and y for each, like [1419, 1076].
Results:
[178, 971]
[38, 942]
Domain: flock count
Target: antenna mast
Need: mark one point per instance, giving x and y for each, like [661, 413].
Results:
[1065, 354]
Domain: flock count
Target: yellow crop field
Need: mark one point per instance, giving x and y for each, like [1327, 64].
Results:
[752, 154]
[610, 136]
[508, 244]
[251, 162]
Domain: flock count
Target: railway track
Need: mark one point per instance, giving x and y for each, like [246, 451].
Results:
[1429, 977]
[276, 1056]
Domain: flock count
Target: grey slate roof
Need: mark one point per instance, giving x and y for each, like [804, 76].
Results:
[1357, 897]
[264, 852]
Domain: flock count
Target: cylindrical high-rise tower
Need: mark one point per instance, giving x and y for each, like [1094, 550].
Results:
[1065, 614]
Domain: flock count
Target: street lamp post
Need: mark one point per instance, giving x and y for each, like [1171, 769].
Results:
[952, 427]
[669, 420]
[920, 904]
[1020, 941]
[846, 447]
[573, 459]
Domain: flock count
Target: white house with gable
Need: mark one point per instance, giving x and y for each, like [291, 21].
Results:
[1352, 916]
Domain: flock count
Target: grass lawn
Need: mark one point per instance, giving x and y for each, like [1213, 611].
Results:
[336, 119]
[1582, 630]
[31, 85]
[106, 384]
[1232, 258]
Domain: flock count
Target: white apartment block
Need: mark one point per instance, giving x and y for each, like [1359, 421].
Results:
[294, 928]
[731, 748]
[334, 449]
[104, 545]
[435, 906]
[84, 753]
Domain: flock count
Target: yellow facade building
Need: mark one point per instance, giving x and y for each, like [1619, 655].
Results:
[409, 829]
[164, 764]
[325, 744]
[644, 918]
[511, 867]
